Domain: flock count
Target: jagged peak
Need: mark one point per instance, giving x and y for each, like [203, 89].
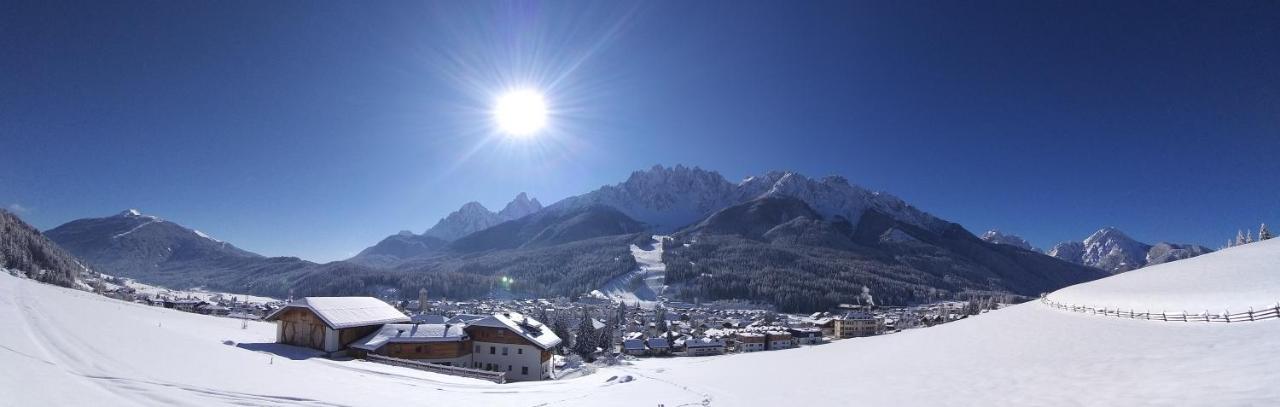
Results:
[1109, 232]
[473, 206]
[129, 213]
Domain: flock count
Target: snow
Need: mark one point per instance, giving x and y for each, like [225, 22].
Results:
[67, 347]
[346, 312]
[642, 285]
[410, 333]
[201, 234]
[135, 228]
[528, 328]
[1232, 279]
[155, 291]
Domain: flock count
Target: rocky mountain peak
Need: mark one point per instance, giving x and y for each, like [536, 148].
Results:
[998, 237]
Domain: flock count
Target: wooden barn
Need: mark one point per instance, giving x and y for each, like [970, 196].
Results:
[330, 324]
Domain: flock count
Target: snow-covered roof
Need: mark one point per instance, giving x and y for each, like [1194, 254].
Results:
[657, 343]
[429, 319]
[346, 312]
[633, 344]
[526, 327]
[857, 315]
[410, 333]
[704, 343]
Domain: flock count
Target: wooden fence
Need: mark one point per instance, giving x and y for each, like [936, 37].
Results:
[496, 377]
[1225, 316]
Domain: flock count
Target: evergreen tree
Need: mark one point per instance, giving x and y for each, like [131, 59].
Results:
[561, 329]
[660, 316]
[621, 318]
[1248, 236]
[584, 343]
[605, 339]
[1264, 233]
[1239, 238]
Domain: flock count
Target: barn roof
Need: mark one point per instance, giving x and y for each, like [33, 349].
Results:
[346, 312]
[410, 333]
[526, 327]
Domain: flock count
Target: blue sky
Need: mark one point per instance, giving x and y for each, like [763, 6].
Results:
[314, 129]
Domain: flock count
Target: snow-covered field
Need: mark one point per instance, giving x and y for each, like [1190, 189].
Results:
[643, 285]
[154, 291]
[65, 347]
[1232, 279]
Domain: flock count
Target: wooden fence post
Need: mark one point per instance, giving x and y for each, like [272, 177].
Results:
[1228, 312]
[1251, 313]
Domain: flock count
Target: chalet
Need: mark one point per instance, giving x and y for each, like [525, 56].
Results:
[774, 340]
[330, 324]
[857, 323]
[703, 346]
[634, 347]
[806, 336]
[512, 343]
[658, 346]
[750, 341]
[507, 342]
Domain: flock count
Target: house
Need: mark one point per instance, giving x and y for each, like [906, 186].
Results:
[658, 347]
[634, 347]
[857, 323]
[703, 346]
[750, 341]
[330, 324]
[513, 343]
[774, 340]
[506, 342]
[806, 336]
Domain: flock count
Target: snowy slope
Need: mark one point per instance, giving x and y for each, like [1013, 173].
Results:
[64, 347]
[642, 285]
[1232, 279]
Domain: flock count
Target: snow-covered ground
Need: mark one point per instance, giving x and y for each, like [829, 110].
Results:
[195, 293]
[64, 347]
[644, 284]
[1231, 279]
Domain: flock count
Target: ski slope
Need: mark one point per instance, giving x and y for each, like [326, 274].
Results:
[644, 284]
[66, 347]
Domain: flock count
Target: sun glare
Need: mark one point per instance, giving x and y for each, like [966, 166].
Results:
[521, 113]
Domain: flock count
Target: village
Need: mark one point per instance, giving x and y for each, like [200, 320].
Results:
[539, 339]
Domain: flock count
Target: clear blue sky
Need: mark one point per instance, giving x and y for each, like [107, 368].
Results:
[315, 129]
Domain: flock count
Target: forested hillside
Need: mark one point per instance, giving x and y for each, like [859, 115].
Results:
[25, 249]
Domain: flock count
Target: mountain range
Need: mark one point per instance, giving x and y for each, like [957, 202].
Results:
[782, 238]
[1111, 250]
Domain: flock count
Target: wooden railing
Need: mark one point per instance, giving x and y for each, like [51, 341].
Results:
[496, 377]
[1225, 316]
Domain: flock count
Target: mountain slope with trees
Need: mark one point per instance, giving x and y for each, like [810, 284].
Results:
[25, 249]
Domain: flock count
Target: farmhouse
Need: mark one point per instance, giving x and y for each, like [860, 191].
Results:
[513, 343]
[331, 323]
[510, 343]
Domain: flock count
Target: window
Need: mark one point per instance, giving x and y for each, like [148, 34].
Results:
[492, 350]
[504, 351]
[477, 348]
[519, 351]
[508, 368]
[524, 370]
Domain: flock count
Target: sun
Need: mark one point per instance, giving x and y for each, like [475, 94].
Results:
[521, 112]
